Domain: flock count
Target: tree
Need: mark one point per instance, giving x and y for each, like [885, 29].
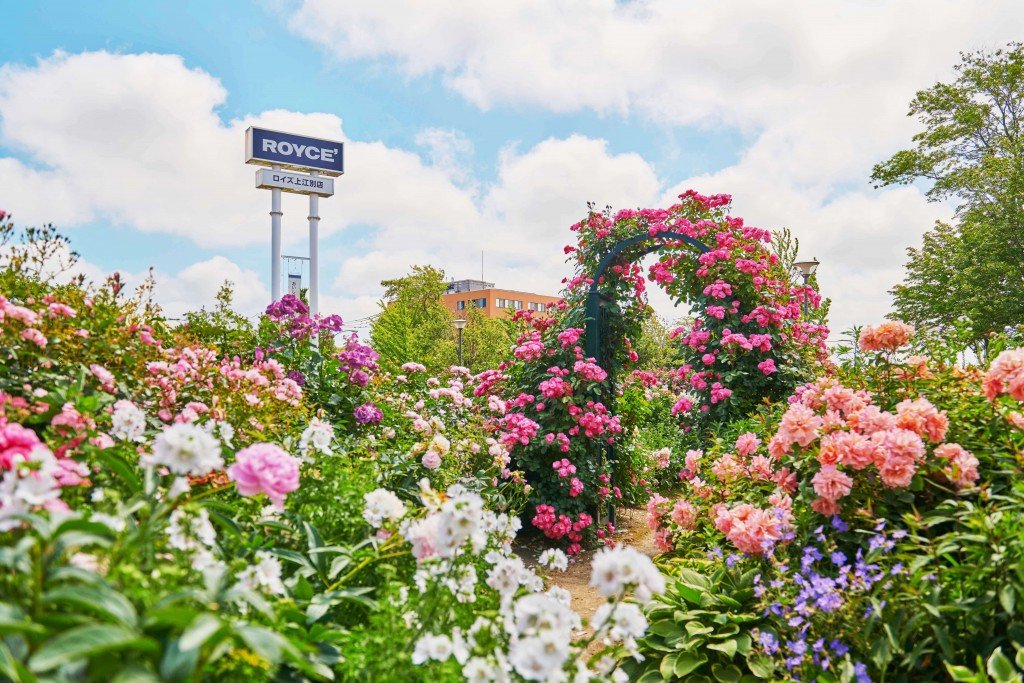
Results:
[971, 149]
[485, 341]
[413, 324]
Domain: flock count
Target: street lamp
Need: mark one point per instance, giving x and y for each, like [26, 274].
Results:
[806, 269]
[460, 324]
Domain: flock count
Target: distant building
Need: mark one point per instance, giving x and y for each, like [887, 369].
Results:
[492, 302]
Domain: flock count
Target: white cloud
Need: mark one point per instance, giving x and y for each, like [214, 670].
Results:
[197, 285]
[822, 86]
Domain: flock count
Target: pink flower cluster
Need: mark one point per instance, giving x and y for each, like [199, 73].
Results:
[563, 468]
[1006, 375]
[516, 428]
[530, 349]
[853, 435]
[884, 338]
[752, 530]
[590, 371]
[558, 526]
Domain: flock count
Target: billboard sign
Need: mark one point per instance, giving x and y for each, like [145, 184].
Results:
[298, 152]
[267, 179]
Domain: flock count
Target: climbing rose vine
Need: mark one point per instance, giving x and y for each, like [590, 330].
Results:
[748, 341]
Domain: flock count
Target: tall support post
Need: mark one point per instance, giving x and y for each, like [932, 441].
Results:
[314, 251]
[275, 240]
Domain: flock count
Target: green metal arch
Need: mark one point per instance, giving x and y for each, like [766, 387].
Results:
[592, 331]
[593, 321]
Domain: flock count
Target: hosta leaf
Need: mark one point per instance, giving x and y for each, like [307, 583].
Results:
[688, 662]
[726, 673]
[726, 647]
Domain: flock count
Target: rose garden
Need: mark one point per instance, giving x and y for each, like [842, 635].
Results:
[223, 499]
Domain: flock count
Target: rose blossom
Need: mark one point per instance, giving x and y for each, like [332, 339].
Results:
[265, 468]
[15, 442]
[831, 483]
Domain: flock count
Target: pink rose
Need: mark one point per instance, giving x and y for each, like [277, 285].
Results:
[831, 483]
[431, 460]
[15, 441]
[265, 468]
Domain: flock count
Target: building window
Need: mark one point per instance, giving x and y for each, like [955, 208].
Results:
[480, 303]
[499, 303]
[461, 305]
[516, 304]
[542, 307]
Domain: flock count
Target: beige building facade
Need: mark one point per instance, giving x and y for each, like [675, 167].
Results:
[491, 301]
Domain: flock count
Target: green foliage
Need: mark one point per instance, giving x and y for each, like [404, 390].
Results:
[653, 347]
[701, 629]
[413, 325]
[486, 342]
[231, 332]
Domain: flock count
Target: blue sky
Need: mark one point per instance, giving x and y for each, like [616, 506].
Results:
[546, 106]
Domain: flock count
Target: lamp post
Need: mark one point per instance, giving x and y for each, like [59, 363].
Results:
[806, 269]
[460, 324]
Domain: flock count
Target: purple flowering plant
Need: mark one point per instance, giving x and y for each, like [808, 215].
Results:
[335, 371]
[824, 605]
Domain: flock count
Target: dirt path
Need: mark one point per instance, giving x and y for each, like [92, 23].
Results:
[631, 529]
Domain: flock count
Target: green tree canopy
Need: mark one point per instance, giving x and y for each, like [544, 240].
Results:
[486, 341]
[413, 324]
[971, 150]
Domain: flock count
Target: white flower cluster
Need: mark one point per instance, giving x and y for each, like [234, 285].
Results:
[186, 448]
[265, 575]
[318, 436]
[532, 634]
[30, 481]
[190, 531]
[128, 422]
[193, 533]
[614, 571]
[553, 558]
[382, 505]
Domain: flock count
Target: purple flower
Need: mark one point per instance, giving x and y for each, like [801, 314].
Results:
[769, 642]
[861, 671]
[297, 377]
[368, 413]
[839, 648]
[838, 558]
[838, 524]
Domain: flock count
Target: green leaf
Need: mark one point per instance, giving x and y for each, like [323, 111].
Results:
[264, 642]
[727, 647]
[1008, 598]
[1001, 668]
[177, 666]
[762, 667]
[12, 668]
[100, 600]
[85, 641]
[134, 673]
[688, 662]
[199, 631]
[726, 673]
[668, 665]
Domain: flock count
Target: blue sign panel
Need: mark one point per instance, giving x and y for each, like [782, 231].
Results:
[300, 152]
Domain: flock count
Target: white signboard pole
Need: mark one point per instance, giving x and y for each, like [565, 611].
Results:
[275, 240]
[314, 248]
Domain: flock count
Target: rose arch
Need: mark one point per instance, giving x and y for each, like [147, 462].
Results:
[746, 342]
